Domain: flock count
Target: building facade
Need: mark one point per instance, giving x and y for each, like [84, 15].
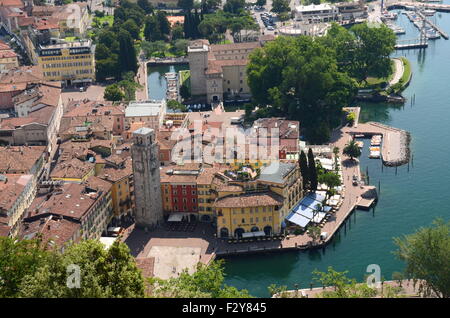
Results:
[218, 71]
[71, 63]
[147, 184]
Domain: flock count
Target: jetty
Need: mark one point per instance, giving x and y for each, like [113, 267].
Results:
[422, 5]
[434, 26]
[395, 146]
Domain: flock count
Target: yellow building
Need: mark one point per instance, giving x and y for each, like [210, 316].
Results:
[251, 212]
[258, 203]
[121, 189]
[70, 62]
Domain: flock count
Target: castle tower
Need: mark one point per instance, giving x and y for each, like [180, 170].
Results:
[198, 63]
[148, 211]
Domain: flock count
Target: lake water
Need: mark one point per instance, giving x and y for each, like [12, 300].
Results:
[408, 199]
[157, 83]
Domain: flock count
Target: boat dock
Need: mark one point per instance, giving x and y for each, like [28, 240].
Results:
[422, 5]
[434, 26]
[395, 146]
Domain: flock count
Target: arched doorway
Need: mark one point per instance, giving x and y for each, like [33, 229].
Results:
[238, 232]
[254, 229]
[224, 232]
[268, 230]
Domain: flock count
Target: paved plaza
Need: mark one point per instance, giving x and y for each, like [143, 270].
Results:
[170, 261]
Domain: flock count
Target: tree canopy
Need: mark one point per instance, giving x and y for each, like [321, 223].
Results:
[427, 257]
[298, 76]
[352, 150]
[30, 269]
[207, 282]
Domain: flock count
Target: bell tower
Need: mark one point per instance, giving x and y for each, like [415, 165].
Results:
[147, 184]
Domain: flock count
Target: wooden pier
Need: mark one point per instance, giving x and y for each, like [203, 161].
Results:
[434, 26]
[411, 46]
[403, 4]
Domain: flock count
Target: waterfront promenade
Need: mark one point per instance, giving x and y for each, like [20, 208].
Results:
[407, 289]
[141, 79]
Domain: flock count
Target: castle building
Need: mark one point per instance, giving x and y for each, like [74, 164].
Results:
[147, 183]
[219, 71]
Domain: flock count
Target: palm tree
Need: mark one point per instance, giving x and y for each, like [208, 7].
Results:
[352, 150]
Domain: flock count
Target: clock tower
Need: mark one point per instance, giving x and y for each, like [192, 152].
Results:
[148, 211]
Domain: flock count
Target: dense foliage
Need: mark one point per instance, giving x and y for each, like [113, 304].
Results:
[206, 282]
[427, 257]
[312, 79]
[28, 268]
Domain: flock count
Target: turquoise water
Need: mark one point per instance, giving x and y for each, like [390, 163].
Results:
[157, 83]
[408, 199]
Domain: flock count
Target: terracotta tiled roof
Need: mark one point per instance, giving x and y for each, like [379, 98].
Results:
[7, 54]
[114, 175]
[249, 200]
[22, 74]
[11, 189]
[51, 229]
[71, 200]
[15, 159]
[74, 169]
[235, 46]
[11, 3]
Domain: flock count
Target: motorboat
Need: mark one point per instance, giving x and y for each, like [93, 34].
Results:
[429, 12]
[432, 34]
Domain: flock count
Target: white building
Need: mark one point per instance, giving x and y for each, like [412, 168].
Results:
[150, 112]
[316, 13]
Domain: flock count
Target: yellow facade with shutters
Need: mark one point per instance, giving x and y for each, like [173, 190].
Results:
[72, 62]
[249, 219]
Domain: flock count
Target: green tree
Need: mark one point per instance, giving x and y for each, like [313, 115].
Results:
[132, 28]
[427, 257]
[128, 86]
[207, 282]
[145, 5]
[274, 289]
[152, 32]
[303, 163]
[164, 24]
[372, 51]
[280, 6]
[331, 180]
[175, 105]
[104, 273]
[261, 3]
[177, 32]
[17, 260]
[186, 5]
[185, 92]
[314, 233]
[312, 171]
[209, 5]
[344, 287]
[113, 93]
[234, 6]
[352, 150]
[127, 53]
[299, 78]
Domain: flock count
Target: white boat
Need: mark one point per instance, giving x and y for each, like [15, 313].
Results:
[429, 12]
[432, 34]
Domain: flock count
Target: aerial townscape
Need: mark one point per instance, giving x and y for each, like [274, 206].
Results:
[224, 149]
